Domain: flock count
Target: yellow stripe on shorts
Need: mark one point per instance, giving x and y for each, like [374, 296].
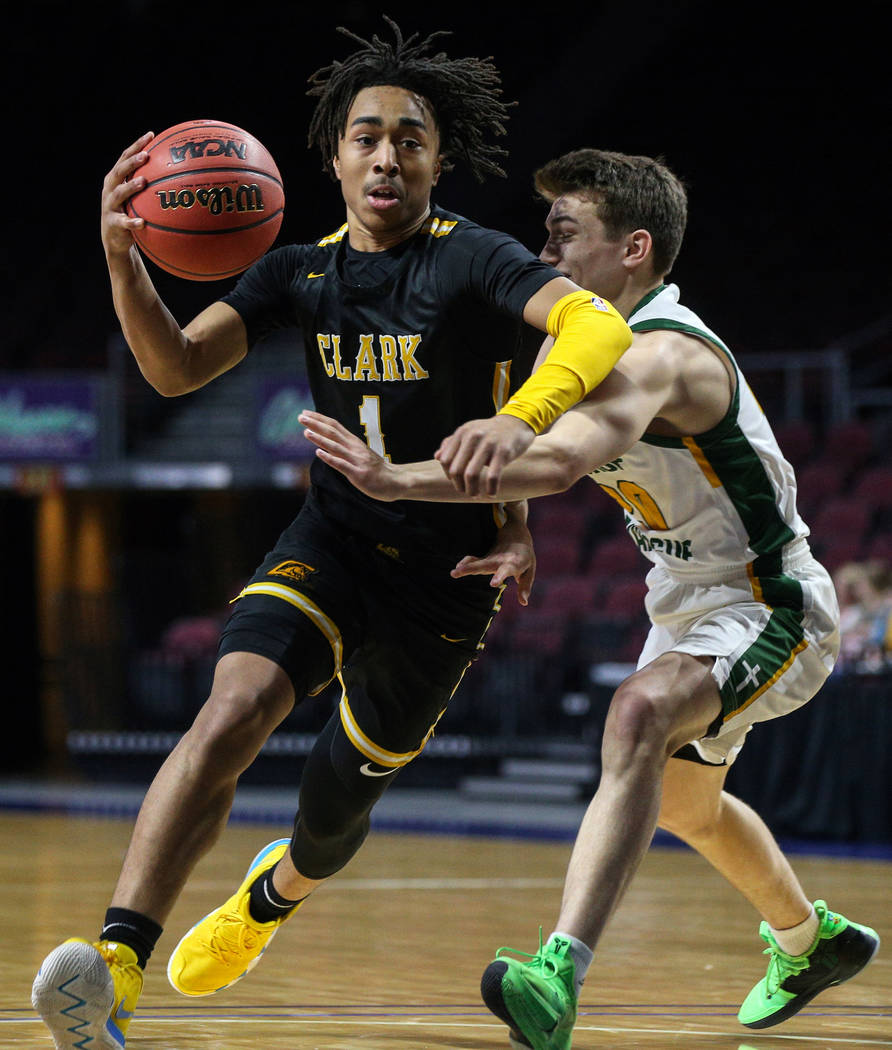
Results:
[368, 747]
[312, 611]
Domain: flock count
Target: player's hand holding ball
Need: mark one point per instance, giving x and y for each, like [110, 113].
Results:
[120, 184]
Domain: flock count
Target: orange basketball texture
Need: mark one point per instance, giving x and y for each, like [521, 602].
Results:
[213, 202]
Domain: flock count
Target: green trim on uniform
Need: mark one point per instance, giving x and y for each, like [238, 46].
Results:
[749, 488]
[742, 474]
[724, 429]
[740, 471]
[777, 589]
[764, 662]
[647, 299]
[661, 441]
[658, 324]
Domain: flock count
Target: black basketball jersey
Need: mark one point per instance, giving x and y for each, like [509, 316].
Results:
[402, 347]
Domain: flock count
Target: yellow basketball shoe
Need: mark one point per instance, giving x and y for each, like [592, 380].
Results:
[227, 943]
[86, 993]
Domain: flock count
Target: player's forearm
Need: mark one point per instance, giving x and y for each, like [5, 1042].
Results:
[540, 471]
[152, 333]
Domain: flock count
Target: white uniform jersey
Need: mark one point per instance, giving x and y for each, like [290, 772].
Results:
[714, 504]
[732, 576]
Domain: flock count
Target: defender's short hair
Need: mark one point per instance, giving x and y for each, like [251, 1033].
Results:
[630, 193]
[464, 95]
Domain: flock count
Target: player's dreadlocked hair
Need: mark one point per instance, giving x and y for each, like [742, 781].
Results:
[463, 94]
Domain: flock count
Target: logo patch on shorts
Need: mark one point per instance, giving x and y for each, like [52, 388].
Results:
[293, 570]
[391, 552]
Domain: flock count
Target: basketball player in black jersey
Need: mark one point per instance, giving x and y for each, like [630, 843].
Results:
[409, 318]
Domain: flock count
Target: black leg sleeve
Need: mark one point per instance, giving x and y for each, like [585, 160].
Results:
[334, 804]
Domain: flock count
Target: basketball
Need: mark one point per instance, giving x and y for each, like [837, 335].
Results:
[213, 202]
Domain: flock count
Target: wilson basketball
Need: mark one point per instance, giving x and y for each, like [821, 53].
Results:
[213, 202]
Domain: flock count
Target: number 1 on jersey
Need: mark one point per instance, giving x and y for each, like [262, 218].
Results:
[370, 418]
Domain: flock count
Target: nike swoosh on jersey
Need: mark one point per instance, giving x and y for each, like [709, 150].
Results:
[446, 638]
[367, 771]
[310, 276]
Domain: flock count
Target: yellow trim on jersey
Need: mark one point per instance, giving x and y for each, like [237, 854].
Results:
[767, 685]
[439, 227]
[434, 226]
[501, 388]
[333, 238]
[368, 747]
[702, 462]
[312, 611]
[501, 383]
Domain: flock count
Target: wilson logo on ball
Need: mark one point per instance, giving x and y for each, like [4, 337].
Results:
[208, 148]
[212, 203]
[217, 199]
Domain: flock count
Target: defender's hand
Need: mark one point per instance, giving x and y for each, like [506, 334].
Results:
[477, 453]
[337, 447]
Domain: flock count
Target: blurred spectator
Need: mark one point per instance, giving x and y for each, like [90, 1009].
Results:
[192, 637]
[865, 601]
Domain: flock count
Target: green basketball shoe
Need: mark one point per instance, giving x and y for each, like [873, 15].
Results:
[535, 999]
[842, 949]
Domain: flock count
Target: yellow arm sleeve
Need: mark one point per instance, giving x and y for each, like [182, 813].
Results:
[589, 338]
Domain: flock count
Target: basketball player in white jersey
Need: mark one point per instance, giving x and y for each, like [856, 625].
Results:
[744, 619]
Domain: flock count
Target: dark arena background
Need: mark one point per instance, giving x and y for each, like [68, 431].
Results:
[128, 521]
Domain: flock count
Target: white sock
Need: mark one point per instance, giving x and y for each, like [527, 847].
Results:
[581, 955]
[798, 939]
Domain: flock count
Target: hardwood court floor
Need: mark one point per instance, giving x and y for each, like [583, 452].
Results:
[388, 956]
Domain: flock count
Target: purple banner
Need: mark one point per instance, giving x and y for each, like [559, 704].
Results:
[278, 403]
[48, 419]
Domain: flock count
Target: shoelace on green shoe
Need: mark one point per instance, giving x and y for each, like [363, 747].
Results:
[540, 960]
[781, 966]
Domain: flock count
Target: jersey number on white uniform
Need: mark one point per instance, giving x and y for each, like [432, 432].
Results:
[638, 502]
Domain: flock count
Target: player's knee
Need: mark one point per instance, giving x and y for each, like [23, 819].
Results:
[332, 822]
[636, 722]
[237, 719]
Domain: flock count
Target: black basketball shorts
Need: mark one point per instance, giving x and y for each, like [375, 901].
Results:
[394, 626]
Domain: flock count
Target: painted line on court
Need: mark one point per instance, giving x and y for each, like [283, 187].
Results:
[147, 1019]
[462, 883]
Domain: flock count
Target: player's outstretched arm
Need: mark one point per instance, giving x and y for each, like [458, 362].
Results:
[610, 420]
[551, 464]
[542, 470]
[589, 338]
[172, 359]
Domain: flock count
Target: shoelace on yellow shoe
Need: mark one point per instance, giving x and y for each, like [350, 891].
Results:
[110, 957]
[231, 938]
[108, 954]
